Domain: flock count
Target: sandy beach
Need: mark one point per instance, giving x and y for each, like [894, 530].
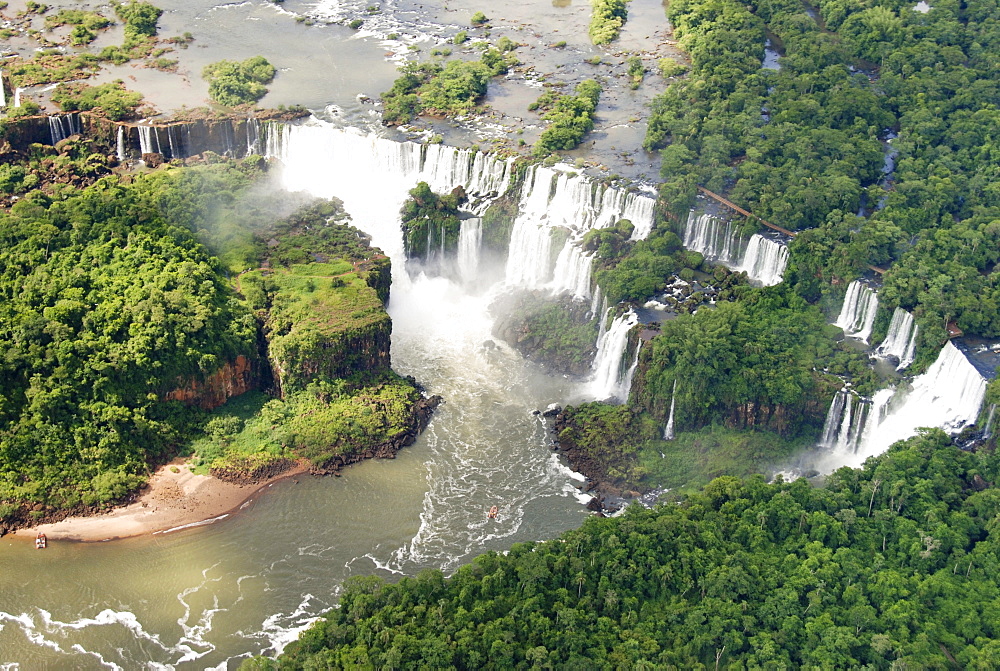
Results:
[176, 498]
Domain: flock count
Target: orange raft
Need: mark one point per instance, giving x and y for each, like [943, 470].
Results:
[493, 513]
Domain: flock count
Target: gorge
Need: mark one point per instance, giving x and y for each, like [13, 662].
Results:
[749, 365]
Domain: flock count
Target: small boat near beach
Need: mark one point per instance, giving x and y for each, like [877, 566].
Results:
[40, 541]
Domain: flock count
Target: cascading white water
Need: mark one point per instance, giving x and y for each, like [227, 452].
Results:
[833, 416]
[719, 241]
[668, 431]
[149, 140]
[480, 174]
[120, 144]
[61, 126]
[857, 315]
[552, 200]
[253, 136]
[901, 340]
[17, 96]
[598, 304]
[3, 91]
[763, 259]
[477, 445]
[949, 396]
[572, 272]
[845, 423]
[610, 378]
[988, 429]
[470, 238]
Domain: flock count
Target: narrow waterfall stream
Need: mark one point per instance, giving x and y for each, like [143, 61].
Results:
[857, 315]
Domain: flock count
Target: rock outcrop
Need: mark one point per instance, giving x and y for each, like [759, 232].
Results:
[232, 379]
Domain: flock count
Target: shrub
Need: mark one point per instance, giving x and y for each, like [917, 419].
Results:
[479, 19]
[232, 83]
[606, 20]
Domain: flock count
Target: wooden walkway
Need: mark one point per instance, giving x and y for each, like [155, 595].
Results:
[745, 213]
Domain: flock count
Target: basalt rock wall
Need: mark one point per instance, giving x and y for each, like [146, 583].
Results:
[232, 379]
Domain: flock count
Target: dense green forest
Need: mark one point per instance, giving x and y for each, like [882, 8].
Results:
[127, 305]
[891, 565]
[105, 305]
[803, 146]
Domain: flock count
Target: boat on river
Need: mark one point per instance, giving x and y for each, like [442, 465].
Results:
[40, 541]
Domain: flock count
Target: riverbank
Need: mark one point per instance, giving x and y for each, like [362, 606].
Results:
[175, 498]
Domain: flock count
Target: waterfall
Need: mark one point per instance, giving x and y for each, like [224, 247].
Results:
[845, 423]
[901, 340]
[948, 396]
[253, 136]
[572, 272]
[833, 418]
[717, 240]
[596, 303]
[668, 432]
[149, 140]
[3, 93]
[470, 238]
[55, 130]
[62, 126]
[17, 97]
[480, 174]
[762, 258]
[120, 144]
[857, 315]
[610, 378]
[988, 429]
[552, 200]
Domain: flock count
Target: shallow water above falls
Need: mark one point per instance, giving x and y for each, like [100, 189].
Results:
[205, 597]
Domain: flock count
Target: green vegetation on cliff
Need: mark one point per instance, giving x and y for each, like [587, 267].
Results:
[559, 334]
[119, 323]
[431, 223]
[892, 564]
[749, 363]
[106, 306]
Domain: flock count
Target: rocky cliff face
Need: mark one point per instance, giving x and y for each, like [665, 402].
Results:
[232, 379]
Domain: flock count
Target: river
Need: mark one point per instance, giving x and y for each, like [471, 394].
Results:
[210, 596]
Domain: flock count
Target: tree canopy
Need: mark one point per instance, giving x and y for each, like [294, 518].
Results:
[892, 564]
